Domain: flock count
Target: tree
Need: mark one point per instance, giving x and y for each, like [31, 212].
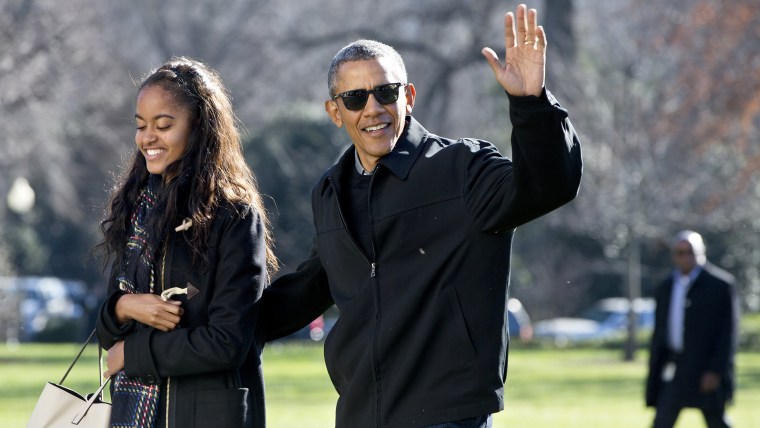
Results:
[669, 123]
[57, 103]
[663, 99]
[289, 155]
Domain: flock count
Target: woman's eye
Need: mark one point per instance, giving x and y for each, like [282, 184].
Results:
[140, 128]
[163, 128]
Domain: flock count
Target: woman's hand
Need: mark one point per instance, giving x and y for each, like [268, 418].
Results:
[115, 360]
[150, 310]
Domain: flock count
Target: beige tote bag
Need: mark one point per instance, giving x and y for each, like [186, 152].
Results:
[62, 407]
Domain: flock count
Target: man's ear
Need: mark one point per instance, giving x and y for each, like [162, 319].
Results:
[331, 107]
[411, 94]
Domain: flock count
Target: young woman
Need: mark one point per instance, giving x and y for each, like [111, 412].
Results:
[191, 253]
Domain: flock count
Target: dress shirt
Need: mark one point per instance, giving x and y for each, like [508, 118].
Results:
[678, 305]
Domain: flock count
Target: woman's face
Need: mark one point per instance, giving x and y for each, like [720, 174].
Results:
[163, 128]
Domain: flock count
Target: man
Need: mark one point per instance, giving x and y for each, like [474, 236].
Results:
[413, 239]
[691, 361]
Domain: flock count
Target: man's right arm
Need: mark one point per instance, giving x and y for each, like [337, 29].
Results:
[292, 301]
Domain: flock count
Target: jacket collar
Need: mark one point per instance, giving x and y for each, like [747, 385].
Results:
[399, 161]
[693, 274]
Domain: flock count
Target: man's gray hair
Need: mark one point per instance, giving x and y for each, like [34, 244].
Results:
[362, 50]
[695, 240]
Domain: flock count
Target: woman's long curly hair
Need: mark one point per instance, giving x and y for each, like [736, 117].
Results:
[211, 170]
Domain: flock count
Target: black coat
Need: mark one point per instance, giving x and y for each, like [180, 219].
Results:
[709, 342]
[422, 333]
[209, 367]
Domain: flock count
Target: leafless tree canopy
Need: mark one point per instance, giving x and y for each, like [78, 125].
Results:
[665, 97]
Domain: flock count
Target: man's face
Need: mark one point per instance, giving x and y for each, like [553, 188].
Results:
[374, 129]
[683, 257]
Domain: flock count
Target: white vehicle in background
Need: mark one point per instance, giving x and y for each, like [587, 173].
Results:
[606, 320]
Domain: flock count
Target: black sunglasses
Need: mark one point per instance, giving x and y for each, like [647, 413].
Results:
[357, 98]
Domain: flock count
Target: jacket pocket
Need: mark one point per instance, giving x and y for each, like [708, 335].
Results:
[223, 408]
[461, 338]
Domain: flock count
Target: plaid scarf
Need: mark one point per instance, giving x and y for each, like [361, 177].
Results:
[133, 402]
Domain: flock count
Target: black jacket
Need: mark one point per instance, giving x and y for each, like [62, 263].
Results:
[709, 341]
[209, 367]
[422, 333]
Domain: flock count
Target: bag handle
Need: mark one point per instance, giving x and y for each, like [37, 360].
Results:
[98, 395]
[79, 354]
[100, 365]
[100, 361]
[90, 401]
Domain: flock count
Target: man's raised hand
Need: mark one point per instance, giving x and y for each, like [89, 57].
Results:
[523, 71]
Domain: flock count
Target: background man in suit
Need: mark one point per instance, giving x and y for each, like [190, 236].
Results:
[691, 362]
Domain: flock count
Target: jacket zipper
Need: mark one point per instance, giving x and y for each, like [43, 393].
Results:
[372, 264]
[378, 309]
[163, 287]
[373, 274]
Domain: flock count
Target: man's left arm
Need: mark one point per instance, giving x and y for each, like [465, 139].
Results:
[545, 172]
[546, 150]
[726, 340]
[546, 153]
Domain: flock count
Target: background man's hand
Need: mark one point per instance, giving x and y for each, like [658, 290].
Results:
[523, 71]
[710, 382]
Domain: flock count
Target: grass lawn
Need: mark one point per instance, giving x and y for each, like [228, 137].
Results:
[594, 388]
[546, 387]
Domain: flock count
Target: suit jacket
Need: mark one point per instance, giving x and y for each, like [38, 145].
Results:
[709, 343]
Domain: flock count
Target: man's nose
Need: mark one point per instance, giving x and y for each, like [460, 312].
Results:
[373, 105]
